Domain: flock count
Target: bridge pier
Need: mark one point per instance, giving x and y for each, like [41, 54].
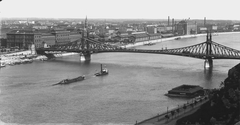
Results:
[208, 63]
[85, 56]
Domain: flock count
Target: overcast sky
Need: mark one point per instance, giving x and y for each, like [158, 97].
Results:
[130, 9]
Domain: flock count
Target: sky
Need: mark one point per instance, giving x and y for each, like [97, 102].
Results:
[121, 9]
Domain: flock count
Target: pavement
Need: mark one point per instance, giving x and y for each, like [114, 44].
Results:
[161, 120]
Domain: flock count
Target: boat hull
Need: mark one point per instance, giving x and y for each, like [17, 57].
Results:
[69, 81]
[181, 96]
[100, 74]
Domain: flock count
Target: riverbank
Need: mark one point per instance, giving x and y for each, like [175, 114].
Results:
[26, 57]
[173, 38]
[223, 106]
[22, 57]
[220, 106]
[170, 117]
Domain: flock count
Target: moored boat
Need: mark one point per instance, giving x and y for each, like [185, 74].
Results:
[177, 38]
[102, 72]
[149, 44]
[187, 91]
[68, 81]
[2, 64]
[11, 63]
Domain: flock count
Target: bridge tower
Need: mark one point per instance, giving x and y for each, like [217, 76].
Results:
[208, 60]
[86, 55]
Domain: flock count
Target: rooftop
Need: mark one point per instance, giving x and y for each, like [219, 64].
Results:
[23, 32]
[186, 88]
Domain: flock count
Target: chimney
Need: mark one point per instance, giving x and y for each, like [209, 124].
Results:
[173, 25]
[168, 20]
[172, 21]
[204, 21]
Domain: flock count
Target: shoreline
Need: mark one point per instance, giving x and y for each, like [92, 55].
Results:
[173, 38]
[26, 57]
[190, 107]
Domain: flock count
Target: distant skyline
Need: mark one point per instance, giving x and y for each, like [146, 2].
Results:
[121, 9]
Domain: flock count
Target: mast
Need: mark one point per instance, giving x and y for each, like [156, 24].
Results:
[101, 68]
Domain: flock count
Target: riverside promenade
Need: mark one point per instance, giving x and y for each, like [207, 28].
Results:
[170, 117]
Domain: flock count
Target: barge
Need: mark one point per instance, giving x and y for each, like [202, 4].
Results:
[68, 81]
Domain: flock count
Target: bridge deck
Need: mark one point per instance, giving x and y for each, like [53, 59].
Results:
[194, 55]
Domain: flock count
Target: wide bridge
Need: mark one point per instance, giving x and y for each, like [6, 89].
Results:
[208, 50]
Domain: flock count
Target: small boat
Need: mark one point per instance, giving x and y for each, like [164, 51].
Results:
[2, 64]
[103, 71]
[17, 62]
[68, 81]
[149, 44]
[187, 91]
[43, 59]
[12, 63]
[177, 38]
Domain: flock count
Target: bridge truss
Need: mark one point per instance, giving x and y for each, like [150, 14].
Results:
[200, 50]
[206, 50]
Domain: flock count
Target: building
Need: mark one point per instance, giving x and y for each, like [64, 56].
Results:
[121, 37]
[164, 29]
[22, 38]
[74, 36]
[191, 29]
[161, 29]
[111, 30]
[181, 28]
[3, 42]
[138, 37]
[61, 36]
[40, 27]
[204, 29]
[46, 38]
[155, 36]
[185, 28]
[151, 29]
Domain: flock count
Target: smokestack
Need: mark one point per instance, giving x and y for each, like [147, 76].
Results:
[172, 24]
[204, 21]
[172, 21]
[168, 20]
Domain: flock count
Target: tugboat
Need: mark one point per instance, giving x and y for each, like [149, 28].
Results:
[68, 81]
[102, 72]
[186, 91]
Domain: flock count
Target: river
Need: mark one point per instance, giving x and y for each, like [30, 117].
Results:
[133, 91]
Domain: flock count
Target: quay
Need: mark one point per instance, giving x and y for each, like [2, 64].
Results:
[170, 117]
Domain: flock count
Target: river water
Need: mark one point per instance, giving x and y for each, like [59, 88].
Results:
[133, 91]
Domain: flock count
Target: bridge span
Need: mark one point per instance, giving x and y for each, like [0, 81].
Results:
[208, 50]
